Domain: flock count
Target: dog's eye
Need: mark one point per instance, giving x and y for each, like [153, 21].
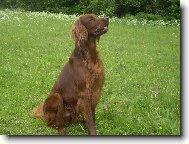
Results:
[91, 19]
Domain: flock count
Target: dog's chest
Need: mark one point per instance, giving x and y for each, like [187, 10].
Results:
[88, 73]
[94, 65]
[96, 72]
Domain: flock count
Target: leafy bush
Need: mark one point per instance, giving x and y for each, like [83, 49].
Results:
[174, 10]
[106, 7]
[153, 17]
[128, 7]
[170, 9]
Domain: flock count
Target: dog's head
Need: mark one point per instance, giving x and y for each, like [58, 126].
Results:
[89, 25]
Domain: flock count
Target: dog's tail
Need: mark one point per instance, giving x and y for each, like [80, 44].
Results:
[37, 112]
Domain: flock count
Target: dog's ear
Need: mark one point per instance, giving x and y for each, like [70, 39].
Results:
[79, 33]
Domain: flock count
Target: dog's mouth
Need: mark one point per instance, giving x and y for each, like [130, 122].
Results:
[101, 31]
[105, 29]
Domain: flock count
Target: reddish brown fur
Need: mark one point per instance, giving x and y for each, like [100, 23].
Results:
[77, 89]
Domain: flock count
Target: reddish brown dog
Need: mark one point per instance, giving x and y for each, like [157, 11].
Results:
[75, 94]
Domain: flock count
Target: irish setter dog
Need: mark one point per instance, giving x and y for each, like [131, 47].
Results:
[75, 94]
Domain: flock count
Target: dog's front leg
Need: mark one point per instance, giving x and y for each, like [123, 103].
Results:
[88, 115]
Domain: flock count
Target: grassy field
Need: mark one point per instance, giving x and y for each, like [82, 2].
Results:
[141, 95]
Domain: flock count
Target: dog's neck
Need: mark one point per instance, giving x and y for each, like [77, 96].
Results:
[87, 50]
[90, 46]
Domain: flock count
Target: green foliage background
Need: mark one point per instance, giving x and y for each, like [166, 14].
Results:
[168, 9]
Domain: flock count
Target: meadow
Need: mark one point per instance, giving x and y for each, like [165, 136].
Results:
[141, 95]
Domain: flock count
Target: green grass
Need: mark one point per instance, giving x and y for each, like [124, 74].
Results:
[141, 95]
